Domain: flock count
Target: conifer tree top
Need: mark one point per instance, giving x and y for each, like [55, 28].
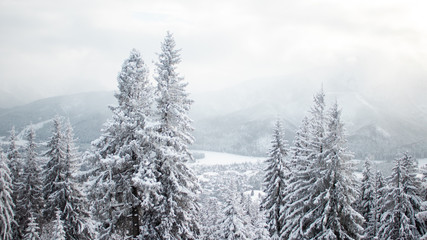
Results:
[131, 80]
[168, 58]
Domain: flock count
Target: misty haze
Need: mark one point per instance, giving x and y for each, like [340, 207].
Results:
[222, 120]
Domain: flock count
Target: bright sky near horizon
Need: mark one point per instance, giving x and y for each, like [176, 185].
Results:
[51, 47]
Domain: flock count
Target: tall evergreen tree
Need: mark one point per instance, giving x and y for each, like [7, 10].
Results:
[124, 182]
[14, 157]
[413, 188]
[367, 192]
[332, 215]
[307, 158]
[275, 181]
[76, 215]
[29, 193]
[176, 213]
[53, 172]
[373, 220]
[15, 166]
[234, 225]
[300, 149]
[6, 202]
[401, 203]
[60, 189]
[257, 222]
[210, 212]
[322, 186]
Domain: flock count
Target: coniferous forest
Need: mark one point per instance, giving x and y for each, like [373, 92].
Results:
[138, 182]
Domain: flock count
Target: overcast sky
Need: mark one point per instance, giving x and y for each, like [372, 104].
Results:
[54, 47]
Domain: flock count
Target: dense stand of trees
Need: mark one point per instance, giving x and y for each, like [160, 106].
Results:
[322, 199]
[135, 184]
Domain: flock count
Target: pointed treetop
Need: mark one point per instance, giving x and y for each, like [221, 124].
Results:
[168, 59]
[12, 141]
[335, 126]
[279, 140]
[131, 80]
[319, 101]
[31, 145]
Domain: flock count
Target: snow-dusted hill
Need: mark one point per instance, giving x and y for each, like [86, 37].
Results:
[240, 119]
[86, 111]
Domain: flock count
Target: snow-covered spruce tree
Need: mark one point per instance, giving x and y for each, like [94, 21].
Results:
[210, 212]
[60, 190]
[332, 215]
[125, 187]
[6, 202]
[293, 204]
[29, 192]
[257, 218]
[319, 204]
[401, 203]
[15, 166]
[300, 149]
[275, 181]
[176, 214]
[14, 157]
[72, 201]
[373, 220]
[413, 187]
[307, 158]
[381, 188]
[32, 230]
[367, 192]
[234, 224]
[53, 171]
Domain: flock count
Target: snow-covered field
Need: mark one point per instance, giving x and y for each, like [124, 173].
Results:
[218, 158]
[422, 162]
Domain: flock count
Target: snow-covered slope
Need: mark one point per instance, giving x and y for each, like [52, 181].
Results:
[86, 111]
[240, 119]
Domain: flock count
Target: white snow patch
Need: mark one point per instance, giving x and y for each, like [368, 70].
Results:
[217, 158]
[202, 178]
[210, 174]
[359, 175]
[232, 172]
[21, 136]
[257, 195]
[422, 162]
[250, 173]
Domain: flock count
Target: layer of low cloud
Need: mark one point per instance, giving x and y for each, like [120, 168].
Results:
[52, 48]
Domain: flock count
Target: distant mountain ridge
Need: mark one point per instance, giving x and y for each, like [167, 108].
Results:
[87, 113]
[240, 119]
